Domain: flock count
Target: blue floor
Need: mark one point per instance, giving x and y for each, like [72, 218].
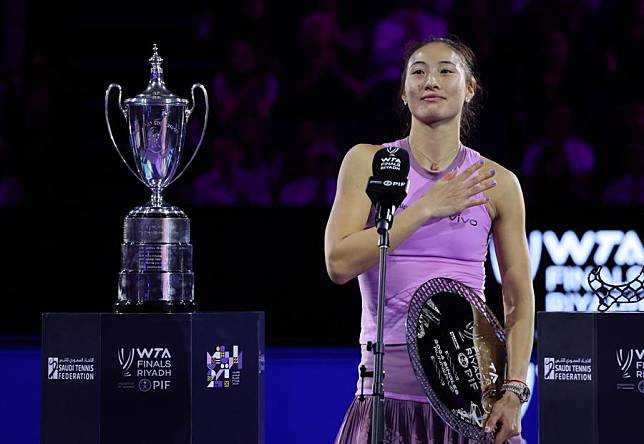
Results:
[19, 395]
[307, 393]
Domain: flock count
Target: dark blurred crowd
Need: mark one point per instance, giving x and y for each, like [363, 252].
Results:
[295, 85]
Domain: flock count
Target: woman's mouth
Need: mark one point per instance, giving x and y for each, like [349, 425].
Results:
[432, 98]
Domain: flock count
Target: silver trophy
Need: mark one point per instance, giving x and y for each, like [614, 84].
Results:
[156, 255]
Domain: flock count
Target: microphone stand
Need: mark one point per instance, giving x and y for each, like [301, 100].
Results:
[387, 189]
[377, 418]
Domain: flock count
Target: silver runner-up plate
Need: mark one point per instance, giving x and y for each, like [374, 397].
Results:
[457, 349]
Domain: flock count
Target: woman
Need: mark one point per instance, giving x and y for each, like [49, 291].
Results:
[446, 179]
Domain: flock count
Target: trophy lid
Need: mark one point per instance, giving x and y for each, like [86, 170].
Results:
[156, 93]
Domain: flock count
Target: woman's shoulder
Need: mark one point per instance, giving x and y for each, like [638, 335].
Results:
[354, 172]
[362, 150]
[502, 173]
[360, 156]
[368, 150]
[507, 189]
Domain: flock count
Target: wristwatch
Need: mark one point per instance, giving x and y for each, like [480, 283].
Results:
[518, 388]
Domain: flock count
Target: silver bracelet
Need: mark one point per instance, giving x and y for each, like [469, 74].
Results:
[520, 389]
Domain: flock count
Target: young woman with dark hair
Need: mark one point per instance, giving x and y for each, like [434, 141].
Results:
[438, 87]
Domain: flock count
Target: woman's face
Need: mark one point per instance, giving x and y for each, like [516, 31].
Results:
[436, 84]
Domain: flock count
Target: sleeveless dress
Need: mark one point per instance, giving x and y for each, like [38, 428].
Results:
[453, 247]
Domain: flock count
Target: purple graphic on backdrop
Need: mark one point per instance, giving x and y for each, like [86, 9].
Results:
[224, 367]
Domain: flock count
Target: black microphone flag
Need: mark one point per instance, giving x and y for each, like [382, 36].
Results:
[387, 188]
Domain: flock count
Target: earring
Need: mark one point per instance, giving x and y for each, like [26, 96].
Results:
[404, 103]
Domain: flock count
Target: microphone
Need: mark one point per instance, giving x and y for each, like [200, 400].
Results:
[388, 186]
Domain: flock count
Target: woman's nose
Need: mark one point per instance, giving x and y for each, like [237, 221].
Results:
[431, 82]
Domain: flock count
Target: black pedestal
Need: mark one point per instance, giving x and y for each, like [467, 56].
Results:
[153, 378]
[591, 377]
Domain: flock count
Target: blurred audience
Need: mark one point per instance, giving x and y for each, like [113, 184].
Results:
[229, 181]
[558, 168]
[295, 89]
[412, 22]
[628, 187]
[322, 84]
[624, 37]
[10, 187]
[243, 88]
[317, 186]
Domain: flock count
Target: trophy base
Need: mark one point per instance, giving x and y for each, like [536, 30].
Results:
[162, 211]
[158, 306]
[156, 260]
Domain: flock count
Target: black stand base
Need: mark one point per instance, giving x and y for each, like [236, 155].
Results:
[195, 378]
[591, 377]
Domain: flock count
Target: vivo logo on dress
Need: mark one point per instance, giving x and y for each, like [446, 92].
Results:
[463, 220]
[458, 218]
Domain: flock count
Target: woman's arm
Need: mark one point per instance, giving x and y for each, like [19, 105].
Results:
[350, 249]
[518, 295]
[514, 265]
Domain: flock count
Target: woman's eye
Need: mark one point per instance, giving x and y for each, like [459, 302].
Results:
[446, 71]
[418, 71]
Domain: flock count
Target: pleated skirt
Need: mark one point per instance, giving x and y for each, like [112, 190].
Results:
[406, 422]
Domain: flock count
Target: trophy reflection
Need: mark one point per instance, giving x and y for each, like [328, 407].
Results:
[156, 254]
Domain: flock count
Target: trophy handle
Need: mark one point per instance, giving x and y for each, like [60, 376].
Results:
[203, 131]
[109, 127]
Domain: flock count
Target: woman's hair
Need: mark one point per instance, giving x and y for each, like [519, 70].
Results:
[469, 59]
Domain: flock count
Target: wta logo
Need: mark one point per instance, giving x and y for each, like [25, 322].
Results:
[126, 361]
[625, 360]
[390, 163]
[625, 248]
[562, 263]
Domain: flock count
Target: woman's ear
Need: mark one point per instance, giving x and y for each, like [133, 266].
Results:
[472, 86]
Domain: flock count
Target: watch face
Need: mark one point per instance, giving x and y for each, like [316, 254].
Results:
[525, 394]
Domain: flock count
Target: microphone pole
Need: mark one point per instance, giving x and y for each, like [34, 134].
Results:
[378, 413]
[386, 188]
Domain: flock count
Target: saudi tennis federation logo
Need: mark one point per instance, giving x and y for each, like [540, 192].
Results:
[549, 368]
[52, 368]
[224, 367]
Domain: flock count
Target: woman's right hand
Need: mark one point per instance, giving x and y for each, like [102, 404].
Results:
[453, 193]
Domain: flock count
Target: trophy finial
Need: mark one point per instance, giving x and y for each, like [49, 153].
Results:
[156, 86]
[156, 72]
[156, 60]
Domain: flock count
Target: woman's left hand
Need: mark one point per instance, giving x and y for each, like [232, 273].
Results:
[505, 418]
